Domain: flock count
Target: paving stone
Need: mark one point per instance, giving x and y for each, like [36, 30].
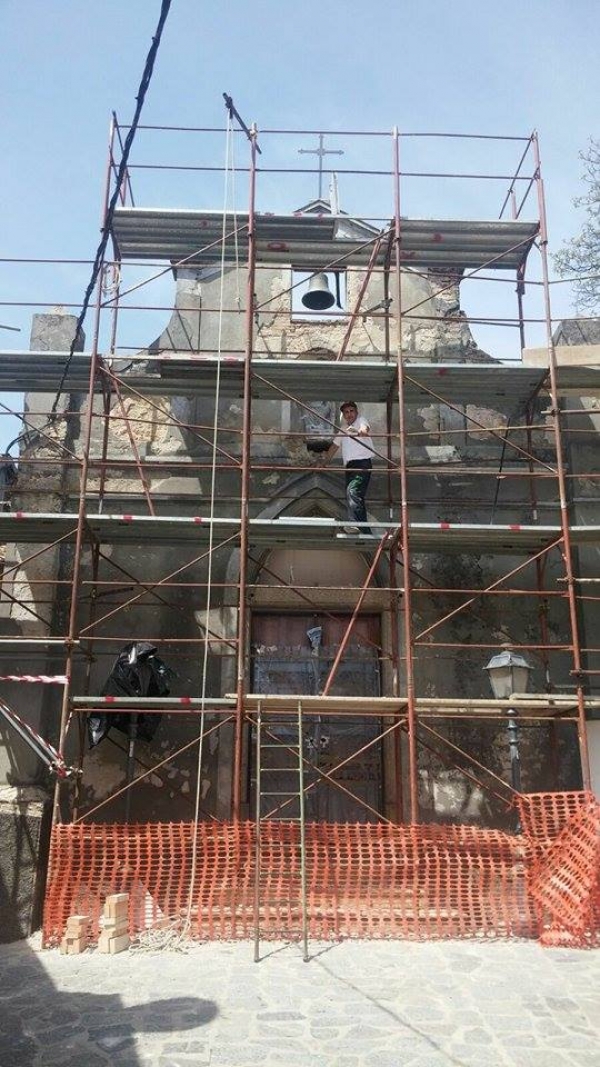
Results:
[385, 1058]
[512, 1023]
[233, 1056]
[294, 1059]
[355, 1005]
[476, 1036]
[367, 1033]
[519, 1040]
[441, 1031]
[399, 1053]
[466, 1018]
[232, 1034]
[577, 1041]
[49, 1018]
[584, 1059]
[77, 1055]
[431, 1059]
[56, 1034]
[561, 1004]
[548, 1028]
[181, 1060]
[18, 1053]
[471, 1056]
[538, 1058]
[113, 1043]
[187, 1047]
[273, 1041]
[280, 1016]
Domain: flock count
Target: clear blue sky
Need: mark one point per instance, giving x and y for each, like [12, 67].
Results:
[465, 66]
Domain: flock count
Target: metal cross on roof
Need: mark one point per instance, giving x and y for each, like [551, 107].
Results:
[321, 152]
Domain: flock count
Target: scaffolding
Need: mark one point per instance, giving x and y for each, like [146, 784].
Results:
[114, 565]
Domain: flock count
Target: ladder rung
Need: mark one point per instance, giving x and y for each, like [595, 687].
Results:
[281, 725]
[280, 745]
[290, 744]
[288, 770]
[270, 793]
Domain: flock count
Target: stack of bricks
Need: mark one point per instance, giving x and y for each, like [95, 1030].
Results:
[77, 935]
[114, 936]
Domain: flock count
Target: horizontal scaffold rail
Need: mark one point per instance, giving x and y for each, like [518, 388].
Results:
[532, 706]
[535, 705]
[304, 240]
[47, 527]
[374, 381]
[210, 705]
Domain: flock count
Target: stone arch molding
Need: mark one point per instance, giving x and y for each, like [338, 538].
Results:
[314, 490]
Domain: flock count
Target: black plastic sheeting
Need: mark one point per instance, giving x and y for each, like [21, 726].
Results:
[138, 671]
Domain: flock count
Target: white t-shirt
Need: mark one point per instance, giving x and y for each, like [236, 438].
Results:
[353, 446]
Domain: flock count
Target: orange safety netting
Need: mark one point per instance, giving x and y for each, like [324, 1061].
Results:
[367, 880]
[564, 870]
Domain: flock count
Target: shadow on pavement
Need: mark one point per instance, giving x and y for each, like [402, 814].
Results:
[40, 1024]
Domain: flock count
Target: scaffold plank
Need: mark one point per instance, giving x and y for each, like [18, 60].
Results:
[46, 527]
[309, 240]
[531, 706]
[288, 703]
[374, 381]
[540, 705]
[41, 372]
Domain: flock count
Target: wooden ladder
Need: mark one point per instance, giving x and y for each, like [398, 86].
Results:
[265, 726]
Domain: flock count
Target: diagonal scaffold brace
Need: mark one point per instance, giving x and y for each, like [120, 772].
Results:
[42, 748]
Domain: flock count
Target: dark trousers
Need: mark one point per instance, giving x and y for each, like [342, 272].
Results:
[358, 476]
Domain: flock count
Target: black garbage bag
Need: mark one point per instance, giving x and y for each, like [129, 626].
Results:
[137, 672]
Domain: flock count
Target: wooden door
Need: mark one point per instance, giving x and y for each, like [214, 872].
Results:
[294, 654]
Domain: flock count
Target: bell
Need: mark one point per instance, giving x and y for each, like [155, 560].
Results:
[318, 296]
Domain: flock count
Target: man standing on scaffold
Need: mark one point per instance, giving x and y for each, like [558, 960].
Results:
[357, 453]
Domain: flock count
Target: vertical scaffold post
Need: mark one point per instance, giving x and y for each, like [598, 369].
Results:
[302, 813]
[257, 828]
[520, 290]
[561, 477]
[404, 538]
[83, 479]
[245, 480]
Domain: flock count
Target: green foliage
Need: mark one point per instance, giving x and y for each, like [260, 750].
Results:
[580, 257]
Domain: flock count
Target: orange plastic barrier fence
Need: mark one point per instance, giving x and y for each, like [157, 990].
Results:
[364, 880]
[564, 870]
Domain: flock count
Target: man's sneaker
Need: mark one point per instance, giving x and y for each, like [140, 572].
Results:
[350, 529]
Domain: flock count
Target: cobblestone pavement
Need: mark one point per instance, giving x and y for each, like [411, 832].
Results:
[369, 1004]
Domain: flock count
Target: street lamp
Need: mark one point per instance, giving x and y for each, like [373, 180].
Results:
[509, 675]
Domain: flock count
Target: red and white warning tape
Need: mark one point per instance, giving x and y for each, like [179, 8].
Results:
[49, 679]
[42, 748]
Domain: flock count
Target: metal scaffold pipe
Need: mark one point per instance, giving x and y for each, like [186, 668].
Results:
[561, 481]
[404, 517]
[242, 634]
